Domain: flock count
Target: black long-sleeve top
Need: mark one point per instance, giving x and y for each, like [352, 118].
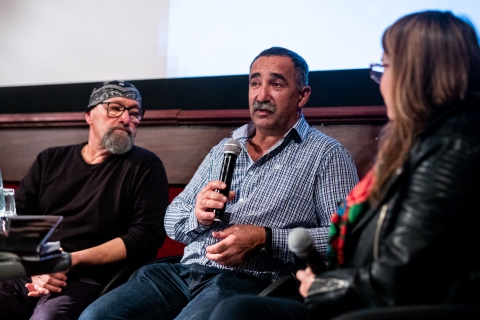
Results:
[124, 196]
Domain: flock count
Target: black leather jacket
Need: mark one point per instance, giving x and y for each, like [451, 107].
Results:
[421, 245]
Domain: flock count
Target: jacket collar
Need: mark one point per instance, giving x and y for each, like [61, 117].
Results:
[437, 119]
[389, 190]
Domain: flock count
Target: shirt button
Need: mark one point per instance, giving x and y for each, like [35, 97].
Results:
[241, 200]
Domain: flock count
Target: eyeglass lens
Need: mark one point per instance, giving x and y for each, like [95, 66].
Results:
[116, 110]
[376, 72]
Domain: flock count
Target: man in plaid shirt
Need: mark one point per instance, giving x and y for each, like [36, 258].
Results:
[287, 175]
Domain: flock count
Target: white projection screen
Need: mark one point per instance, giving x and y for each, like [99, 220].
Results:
[66, 41]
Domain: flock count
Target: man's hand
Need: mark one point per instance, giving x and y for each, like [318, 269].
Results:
[306, 278]
[46, 283]
[208, 199]
[236, 245]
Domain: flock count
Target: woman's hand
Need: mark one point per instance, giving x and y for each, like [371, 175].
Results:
[306, 278]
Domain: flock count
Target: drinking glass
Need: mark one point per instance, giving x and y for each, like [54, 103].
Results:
[9, 197]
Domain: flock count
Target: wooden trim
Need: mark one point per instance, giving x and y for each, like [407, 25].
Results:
[346, 115]
[161, 117]
[76, 119]
[324, 115]
[214, 117]
[30, 120]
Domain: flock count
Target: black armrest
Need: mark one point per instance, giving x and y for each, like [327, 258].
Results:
[286, 286]
[12, 266]
[424, 312]
[57, 264]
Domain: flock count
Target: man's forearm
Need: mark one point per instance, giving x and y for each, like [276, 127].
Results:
[111, 251]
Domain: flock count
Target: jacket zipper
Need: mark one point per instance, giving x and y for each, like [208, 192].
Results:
[376, 243]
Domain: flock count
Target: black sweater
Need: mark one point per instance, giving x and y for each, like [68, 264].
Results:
[124, 196]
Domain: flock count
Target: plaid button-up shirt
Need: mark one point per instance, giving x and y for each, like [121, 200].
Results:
[296, 183]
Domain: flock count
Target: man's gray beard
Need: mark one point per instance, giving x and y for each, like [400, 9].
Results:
[117, 143]
[271, 107]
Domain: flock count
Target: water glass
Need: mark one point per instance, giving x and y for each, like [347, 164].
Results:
[9, 198]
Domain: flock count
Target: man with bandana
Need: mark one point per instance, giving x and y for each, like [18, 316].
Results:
[287, 175]
[113, 197]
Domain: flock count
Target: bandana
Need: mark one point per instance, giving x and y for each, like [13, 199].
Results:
[109, 89]
[348, 212]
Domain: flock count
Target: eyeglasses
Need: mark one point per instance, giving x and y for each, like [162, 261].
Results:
[115, 110]
[376, 71]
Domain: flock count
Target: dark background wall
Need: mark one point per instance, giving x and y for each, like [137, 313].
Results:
[329, 88]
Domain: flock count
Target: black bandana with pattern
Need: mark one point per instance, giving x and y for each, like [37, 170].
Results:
[109, 89]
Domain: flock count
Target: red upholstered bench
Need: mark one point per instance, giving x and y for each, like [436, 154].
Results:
[171, 247]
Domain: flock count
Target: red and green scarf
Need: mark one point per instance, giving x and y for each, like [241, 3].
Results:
[348, 212]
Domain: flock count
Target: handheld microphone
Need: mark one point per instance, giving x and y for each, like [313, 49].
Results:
[231, 152]
[300, 241]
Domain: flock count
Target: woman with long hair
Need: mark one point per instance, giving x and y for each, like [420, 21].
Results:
[407, 233]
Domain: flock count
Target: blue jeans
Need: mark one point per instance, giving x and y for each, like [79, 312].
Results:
[166, 291]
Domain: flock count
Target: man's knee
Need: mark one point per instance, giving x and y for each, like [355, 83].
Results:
[92, 314]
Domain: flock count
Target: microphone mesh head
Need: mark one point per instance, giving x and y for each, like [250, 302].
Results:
[299, 240]
[233, 146]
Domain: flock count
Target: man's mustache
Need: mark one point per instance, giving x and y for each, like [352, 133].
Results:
[120, 127]
[268, 106]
